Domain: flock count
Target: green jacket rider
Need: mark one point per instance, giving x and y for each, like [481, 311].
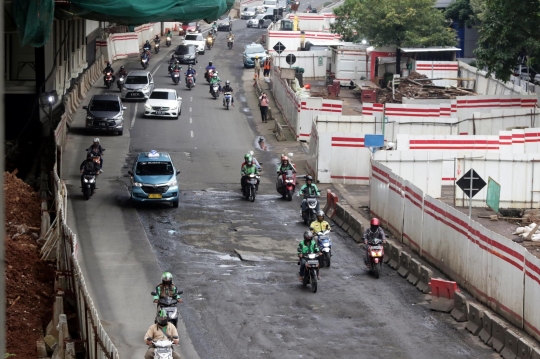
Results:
[167, 288]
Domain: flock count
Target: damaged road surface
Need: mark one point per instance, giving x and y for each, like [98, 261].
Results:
[236, 260]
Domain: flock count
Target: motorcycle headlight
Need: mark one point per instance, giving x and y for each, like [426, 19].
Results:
[137, 184]
[172, 183]
[326, 244]
[168, 38]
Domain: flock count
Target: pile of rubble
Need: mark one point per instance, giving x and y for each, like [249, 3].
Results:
[418, 86]
[29, 280]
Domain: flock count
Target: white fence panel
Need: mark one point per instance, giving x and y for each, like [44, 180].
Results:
[434, 243]
[413, 216]
[395, 205]
[350, 159]
[479, 261]
[439, 69]
[314, 63]
[287, 101]
[532, 140]
[379, 190]
[456, 231]
[313, 153]
[123, 45]
[532, 293]
[324, 157]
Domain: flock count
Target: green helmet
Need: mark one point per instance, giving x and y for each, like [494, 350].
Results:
[166, 278]
[247, 157]
[162, 319]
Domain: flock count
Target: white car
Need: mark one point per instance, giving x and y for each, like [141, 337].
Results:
[248, 13]
[197, 40]
[164, 103]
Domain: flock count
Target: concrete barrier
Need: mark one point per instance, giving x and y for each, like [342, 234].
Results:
[340, 213]
[510, 345]
[535, 353]
[278, 130]
[404, 260]
[442, 294]
[425, 278]
[355, 231]
[460, 311]
[395, 253]
[525, 349]
[485, 332]
[474, 319]
[346, 221]
[414, 272]
[498, 330]
[387, 246]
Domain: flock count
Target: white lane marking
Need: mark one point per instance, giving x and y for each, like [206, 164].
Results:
[191, 133]
[134, 115]
[157, 68]
[191, 98]
[190, 120]
[190, 109]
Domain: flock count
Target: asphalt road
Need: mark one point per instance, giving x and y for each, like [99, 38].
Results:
[235, 260]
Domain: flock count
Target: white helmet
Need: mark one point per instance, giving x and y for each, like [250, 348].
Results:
[96, 140]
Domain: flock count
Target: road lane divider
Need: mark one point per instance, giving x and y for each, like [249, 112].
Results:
[442, 294]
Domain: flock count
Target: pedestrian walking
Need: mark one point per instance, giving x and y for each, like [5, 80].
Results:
[257, 62]
[263, 105]
[266, 67]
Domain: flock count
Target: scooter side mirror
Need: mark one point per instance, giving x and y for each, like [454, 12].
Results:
[177, 173]
[180, 292]
[153, 293]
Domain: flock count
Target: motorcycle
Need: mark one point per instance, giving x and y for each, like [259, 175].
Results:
[163, 348]
[120, 82]
[375, 252]
[230, 43]
[310, 272]
[144, 62]
[325, 247]
[89, 186]
[168, 42]
[209, 42]
[228, 97]
[176, 76]
[250, 187]
[215, 90]
[208, 75]
[168, 304]
[156, 47]
[309, 214]
[287, 185]
[108, 79]
[189, 82]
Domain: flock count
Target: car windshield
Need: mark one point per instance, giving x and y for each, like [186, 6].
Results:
[137, 80]
[105, 105]
[192, 37]
[249, 9]
[254, 49]
[260, 16]
[154, 168]
[182, 50]
[162, 95]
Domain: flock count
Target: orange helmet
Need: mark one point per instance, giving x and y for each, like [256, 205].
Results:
[284, 158]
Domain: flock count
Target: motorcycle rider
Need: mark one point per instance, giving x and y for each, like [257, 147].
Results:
[147, 46]
[248, 169]
[122, 71]
[214, 28]
[161, 330]
[306, 246]
[230, 37]
[145, 55]
[374, 231]
[96, 150]
[228, 88]
[167, 288]
[191, 71]
[283, 167]
[169, 34]
[176, 67]
[208, 68]
[108, 68]
[319, 225]
[309, 189]
[88, 167]
[215, 80]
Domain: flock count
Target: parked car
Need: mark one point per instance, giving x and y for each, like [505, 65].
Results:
[188, 27]
[197, 40]
[138, 86]
[187, 54]
[260, 21]
[164, 103]
[252, 50]
[105, 113]
[248, 13]
[224, 25]
[153, 179]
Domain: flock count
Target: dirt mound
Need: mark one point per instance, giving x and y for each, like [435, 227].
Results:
[29, 280]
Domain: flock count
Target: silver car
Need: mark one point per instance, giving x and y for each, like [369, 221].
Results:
[105, 113]
[138, 86]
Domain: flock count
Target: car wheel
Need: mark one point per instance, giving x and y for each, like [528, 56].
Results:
[202, 53]
[175, 204]
[121, 132]
[245, 66]
[259, 26]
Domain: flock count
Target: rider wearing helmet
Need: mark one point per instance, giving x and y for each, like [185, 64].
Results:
[319, 225]
[175, 67]
[122, 71]
[230, 37]
[306, 246]
[108, 68]
[228, 88]
[191, 71]
[285, 165]
[167, 288]
[215, 80]
[96, 150]
[309, 189]
[161, 330]
[248, 168]
[374, 231]
[209, 68]
[147, 46]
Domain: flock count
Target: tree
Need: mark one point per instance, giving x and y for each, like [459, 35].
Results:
[508, 33]
[461, 11]
[397, 23]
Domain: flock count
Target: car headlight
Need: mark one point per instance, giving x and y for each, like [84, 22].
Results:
[89, 117]
[137, 184]
[174, 108]
[171, 183]
[147, 107]
[118, 117]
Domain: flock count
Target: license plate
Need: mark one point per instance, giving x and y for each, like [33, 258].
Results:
[313, 263]
[135, 94]
[159, 112]
[154, 195]
[103, 124]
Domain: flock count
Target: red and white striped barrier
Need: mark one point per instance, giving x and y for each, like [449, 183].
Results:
[438, 69]
[120, 46]
[292, 39]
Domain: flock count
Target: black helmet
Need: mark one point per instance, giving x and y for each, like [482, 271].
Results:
[309, 178]
[88, 155]
[122, 68]
[308, 236]
[108, 63]
[162, 319]
[227, 83]
[210, 63]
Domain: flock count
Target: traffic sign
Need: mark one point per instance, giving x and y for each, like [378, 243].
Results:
[471, 183]
[291, 59]
[279, 47]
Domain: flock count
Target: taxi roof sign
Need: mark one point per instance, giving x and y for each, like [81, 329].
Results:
[152, 153]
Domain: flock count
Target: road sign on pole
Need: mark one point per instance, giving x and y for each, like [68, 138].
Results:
[373, 142]
[471, 183]
[279, 47]
[291, 59]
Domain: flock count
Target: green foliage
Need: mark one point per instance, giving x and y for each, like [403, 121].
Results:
[461, 12]
[509, 29]
[473, 63]
[400, 23]
[7, 355]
